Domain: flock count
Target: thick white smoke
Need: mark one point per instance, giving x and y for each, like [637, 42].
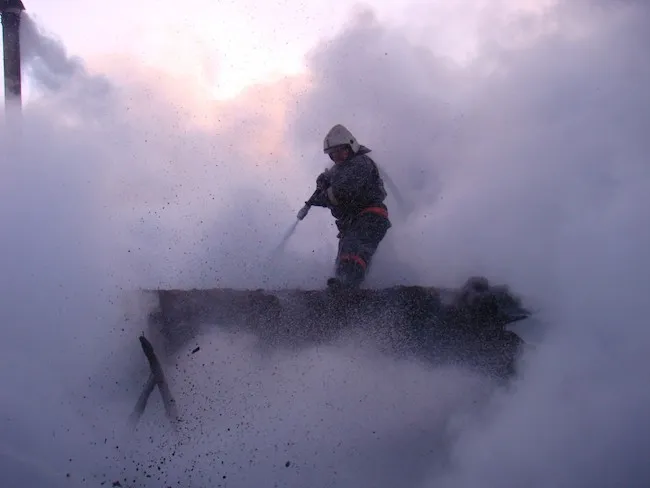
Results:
[527, 165]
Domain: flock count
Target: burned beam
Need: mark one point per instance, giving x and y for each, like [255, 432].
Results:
[439, 325]
[141, 404]
[156, 378]
[11, 11]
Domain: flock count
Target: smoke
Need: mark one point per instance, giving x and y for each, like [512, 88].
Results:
[527, 164]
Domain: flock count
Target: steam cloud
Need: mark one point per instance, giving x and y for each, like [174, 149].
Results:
[527, 165]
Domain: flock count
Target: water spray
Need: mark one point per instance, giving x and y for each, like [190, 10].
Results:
[302, 213]
[285, 238]
[393, 188]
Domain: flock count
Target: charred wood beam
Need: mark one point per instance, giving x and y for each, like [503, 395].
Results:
[10, 13]
[156, 378]
[439, 325]
[142, 400]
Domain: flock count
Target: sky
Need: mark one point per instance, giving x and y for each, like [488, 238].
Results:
[524, 161]
[230, 45]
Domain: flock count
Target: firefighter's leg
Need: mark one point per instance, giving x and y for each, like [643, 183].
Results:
[357, 247]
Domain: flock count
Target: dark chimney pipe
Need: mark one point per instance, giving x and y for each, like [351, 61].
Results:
[10, 10]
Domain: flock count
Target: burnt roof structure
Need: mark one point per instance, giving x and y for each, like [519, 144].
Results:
[466, 326]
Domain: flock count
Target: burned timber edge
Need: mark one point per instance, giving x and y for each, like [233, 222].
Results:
[465, 326]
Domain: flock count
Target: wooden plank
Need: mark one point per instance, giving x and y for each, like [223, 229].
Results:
[465, 325]
[156, 378]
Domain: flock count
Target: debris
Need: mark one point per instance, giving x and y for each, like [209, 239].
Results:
[157, 377]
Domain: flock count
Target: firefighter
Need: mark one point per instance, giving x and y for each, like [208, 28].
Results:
[354, 192]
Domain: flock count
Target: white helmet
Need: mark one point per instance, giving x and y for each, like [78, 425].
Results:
[339, 136]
